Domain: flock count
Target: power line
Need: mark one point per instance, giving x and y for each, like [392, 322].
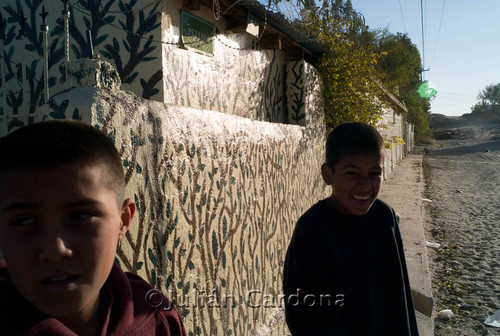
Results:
[457, 100]
[457, 94]
[439, 32]
[402, 16]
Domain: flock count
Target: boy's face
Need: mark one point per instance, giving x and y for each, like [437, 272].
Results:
[59, 229]
[355, 182]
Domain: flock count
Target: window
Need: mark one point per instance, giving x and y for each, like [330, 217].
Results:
[197, 33]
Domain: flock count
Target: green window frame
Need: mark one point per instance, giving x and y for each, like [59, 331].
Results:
[197, 33]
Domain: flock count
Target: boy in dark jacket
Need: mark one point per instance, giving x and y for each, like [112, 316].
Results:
[345, 272]
[62, 215]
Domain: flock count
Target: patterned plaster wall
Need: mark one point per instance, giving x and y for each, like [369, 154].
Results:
[218, 197]
[304, 93]
[140, 38]
[250, 86]
[125, 33]
[236, 79]
[295, 93]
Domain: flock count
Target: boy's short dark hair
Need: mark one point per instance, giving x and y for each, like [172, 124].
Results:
[52, 143]
[352, 138]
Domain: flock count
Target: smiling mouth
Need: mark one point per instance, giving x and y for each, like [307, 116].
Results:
[361, 198]
[60, 280]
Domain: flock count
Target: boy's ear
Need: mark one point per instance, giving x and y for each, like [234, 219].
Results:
[327, 174]
[127, 213]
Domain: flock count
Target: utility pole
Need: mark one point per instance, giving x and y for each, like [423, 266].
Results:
[422, 74]
[423, 41]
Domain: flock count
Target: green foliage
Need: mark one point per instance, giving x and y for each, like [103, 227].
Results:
[490, 95]
[418, 113]
[350, 94]
[400, 62]
[488, 105]
[400, 65]
[347, 67]
[357, 61]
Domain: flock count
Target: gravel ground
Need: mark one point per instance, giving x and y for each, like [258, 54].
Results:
[463, 183]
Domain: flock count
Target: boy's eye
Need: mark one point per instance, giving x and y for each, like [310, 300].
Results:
[352, 173]
[376, 173]
[23, 221]
[81, 215]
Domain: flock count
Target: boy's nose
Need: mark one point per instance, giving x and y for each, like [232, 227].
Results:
[365, 182]
[53, 249]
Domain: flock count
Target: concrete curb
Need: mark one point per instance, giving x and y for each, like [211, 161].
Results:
[403, 191]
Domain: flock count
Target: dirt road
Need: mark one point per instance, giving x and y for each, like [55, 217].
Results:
[463, 182]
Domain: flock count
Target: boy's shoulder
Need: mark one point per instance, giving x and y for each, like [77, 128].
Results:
[381, 208]
[314, 216]
[140, 307]
[321, 208]
[3, 269]
[380, 205]
[321, 213]
[146, 299]
[134, 306]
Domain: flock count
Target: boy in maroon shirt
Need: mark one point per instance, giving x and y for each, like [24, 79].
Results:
[62, 215]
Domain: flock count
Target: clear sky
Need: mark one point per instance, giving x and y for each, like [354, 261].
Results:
[466, 56]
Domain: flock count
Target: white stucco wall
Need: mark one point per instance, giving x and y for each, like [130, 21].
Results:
[236, 79]
[398, 135]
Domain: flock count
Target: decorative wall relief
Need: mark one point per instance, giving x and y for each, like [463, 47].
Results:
[235, 80]
[392, 127]
[295, 93]
[127, 33]
[304, 94]
[217, 197]
[138, 47]
[245, 83]
[273, 89]
[23, 47]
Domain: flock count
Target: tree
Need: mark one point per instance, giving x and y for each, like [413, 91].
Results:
[490, 95]
[357, 60]
[400, 64]
[400, 61]
[488, 105]
[347, 67]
